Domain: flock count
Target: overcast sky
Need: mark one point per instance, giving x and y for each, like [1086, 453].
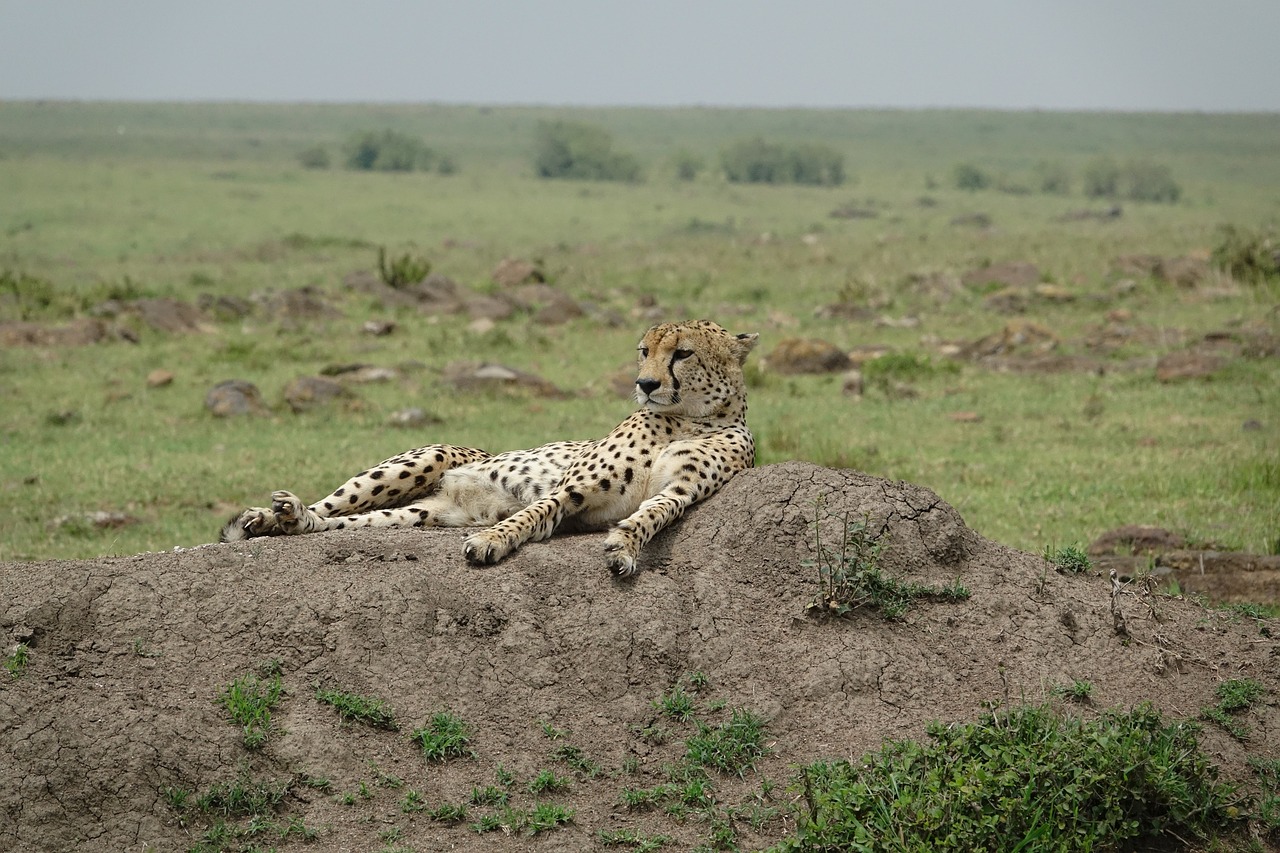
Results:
[1208, 55]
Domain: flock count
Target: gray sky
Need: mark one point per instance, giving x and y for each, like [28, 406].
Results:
[1009, 54]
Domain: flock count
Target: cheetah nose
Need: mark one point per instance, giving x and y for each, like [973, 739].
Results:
[648, 386]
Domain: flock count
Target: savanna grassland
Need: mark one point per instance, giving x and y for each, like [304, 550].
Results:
[141, 201]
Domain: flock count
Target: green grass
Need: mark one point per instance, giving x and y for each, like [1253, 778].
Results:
[210, 199]
[444, 736]
[1068, 559]
[730, 747]
[361, 709]
[1047, 782]
[249, 700]
[1235, 696]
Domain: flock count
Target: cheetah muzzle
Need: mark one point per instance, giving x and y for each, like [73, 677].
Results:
[688, 438]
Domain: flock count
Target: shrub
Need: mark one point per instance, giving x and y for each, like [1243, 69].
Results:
[402, 271]
[1142, 180]
[579, 151]
[1053, 178]
[314, 157]
[1248, 256]
[969, 177]
[755, 161]
[688, 165]
[1101, 178]
[388, 151]
[1043, 781]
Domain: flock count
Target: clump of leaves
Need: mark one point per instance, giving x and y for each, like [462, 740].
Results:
[575, 758]
[547, 782]
[242, 796]
[445, 736]
[849, 576]
[1076, 691]
[632, 839]
[1267, 809]
[676, 704]
[361, 709]
[904, 367]
[1234, 696]
[16, 663]
[449, 813]
[1248, 256]
[731, 747]
[402, 271]
[249, 701]
[1046, 782]
[1069, 559]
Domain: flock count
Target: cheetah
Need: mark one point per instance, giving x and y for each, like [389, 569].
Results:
[688, 438]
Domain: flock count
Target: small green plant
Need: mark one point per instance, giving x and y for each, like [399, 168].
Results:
[1247, 256]
[242, 796]
[1234, 696]
[314, 157]
[412, 802]
[698, 680]
[631, 838]
[547, 782]
[1267, 808]
[967, 176]
[490, 795]
[731, 747]
[1069, 559]
[641, 799]
[487, 823]
[16, 663]
[676, 704]
[547, 816]
[576, 759]
[249, 700]
[504, 777]
[1076, 691]
[403, 271]
[445, 736]
[449, 813]
[551, 732]
[654, 735]
[359, 709]
[849, 576]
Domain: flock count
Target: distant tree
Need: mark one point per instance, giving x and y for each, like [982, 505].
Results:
[1053, 178]
[1102, 178]
[1142, 180]
[579, 151]
[969, 177]
[755, 161]
[688, 165]
[314, 157]
[388, 151]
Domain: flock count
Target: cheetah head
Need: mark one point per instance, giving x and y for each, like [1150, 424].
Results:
[693, 369]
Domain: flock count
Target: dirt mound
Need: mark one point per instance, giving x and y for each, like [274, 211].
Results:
[127, 657]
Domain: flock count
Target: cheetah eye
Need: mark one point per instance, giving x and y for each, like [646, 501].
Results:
[644, 352]
[681, 354]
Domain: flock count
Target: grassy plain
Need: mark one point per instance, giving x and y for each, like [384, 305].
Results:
[177, 200]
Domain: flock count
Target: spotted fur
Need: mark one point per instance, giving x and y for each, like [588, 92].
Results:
[687, 440]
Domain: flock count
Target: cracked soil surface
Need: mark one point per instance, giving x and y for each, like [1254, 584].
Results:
[127, 658]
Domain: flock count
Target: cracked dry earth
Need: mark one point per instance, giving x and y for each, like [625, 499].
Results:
[129, 655]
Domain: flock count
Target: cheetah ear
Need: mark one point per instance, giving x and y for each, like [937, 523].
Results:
[744, 344]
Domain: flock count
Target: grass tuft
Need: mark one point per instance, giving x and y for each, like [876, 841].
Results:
[445, 736]
[360, 709]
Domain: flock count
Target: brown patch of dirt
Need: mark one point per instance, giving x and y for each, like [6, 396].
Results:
[128, 656]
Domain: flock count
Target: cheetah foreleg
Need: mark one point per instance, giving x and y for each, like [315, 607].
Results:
[535, 522]
[623, 544]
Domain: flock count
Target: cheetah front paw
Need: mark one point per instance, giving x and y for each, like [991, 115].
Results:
[621, 550]
[254, 521]
[486, 547]
[290, 514]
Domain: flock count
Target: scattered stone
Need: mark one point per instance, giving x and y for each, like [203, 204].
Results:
[224, 308]
[965, 417]
[1010, 274]
[843, 311]
[159, 378]
[234, 397]
[907, 322]
[1251, 425]
[360, 374]
[167, 315]
[1055, 293]
[560, 309]
[1188, 364]
[1136, 539]
[863, 353]
[852, 384]
[807, 355]
[853, 211]
[488, 308]
[1009, 300]
[409, 418]
[1016, 336]
[378, 328]
[481, 326]
[479, 376]
[79, 332]
[511, 272]
[1109, 214]
[100, 519]
[972, 220]
[308, 392]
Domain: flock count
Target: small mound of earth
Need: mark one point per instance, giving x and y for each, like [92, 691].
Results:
[128, 656]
